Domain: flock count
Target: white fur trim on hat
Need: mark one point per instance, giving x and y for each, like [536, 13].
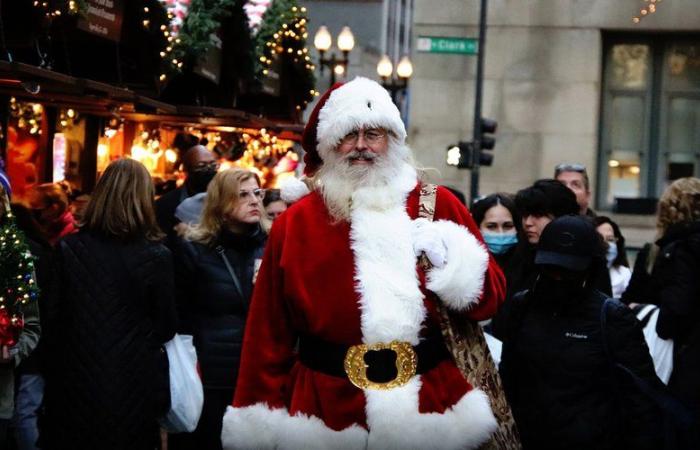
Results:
[292, 189]
[358, 103]
[460, 282]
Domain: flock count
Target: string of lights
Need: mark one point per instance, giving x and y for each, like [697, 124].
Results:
[290, 40]
[649, 8]
[56, 8]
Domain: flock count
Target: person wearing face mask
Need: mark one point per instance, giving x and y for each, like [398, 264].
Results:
[559, 380]
[200, 166]
[499, 224]
[616, 256]
[216, 263]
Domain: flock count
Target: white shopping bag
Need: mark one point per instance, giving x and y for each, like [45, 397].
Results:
[661, 350]
[186, 393]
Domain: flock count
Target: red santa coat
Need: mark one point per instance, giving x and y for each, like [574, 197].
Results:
[355, 283]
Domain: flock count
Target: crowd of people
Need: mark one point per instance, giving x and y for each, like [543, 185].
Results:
[365, 262]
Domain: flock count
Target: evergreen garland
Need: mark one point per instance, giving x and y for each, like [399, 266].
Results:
[203, 19]
[283, 35]
[17, 285]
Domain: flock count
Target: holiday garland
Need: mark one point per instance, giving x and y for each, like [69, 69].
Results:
[282, 35]
[191, 24]
[17, 285]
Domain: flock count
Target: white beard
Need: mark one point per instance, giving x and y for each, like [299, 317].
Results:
[379, 185]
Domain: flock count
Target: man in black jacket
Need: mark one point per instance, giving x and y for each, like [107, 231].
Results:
[200, 167]
[561, 383]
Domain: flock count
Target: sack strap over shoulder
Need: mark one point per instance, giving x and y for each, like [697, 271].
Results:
[426, 210]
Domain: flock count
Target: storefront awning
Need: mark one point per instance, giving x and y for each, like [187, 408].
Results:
[55, 89]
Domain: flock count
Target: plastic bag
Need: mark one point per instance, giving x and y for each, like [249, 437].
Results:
[661, 350]
[186, 392]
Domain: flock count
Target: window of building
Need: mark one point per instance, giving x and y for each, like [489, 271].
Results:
[650, 115]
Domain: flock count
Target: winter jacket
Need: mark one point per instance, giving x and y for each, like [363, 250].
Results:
[111, 309]
[676, 287]
[560, 383]
[211, 307]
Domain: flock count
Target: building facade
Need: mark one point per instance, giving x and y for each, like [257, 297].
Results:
[567, 81]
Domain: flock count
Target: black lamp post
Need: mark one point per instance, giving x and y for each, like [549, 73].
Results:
[397, 84]
[323, 41]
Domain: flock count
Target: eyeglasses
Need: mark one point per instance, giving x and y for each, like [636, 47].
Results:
[569, 167]
[610, 239]
[203, 165]
[247, 195]
[371, 136]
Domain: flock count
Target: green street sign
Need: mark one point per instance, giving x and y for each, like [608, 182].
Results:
[455, 45]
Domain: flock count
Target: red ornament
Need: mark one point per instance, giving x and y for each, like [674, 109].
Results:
[10, 327]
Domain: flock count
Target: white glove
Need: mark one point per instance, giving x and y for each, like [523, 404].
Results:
[426, 239]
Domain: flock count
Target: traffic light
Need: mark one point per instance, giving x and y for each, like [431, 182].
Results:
[460, 155]
[488, 141]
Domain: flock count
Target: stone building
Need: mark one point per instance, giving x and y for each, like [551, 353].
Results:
[567, 81]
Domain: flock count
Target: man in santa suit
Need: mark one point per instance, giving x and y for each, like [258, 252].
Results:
[340, 270]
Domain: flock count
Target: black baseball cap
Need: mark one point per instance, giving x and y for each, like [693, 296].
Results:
[569, 242]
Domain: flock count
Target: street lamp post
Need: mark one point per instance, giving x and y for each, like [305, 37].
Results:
[323, 41]
[397, 84]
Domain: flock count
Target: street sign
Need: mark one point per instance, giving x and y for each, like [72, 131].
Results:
[440, 44]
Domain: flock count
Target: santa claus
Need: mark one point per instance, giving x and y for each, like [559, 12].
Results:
[343, 348]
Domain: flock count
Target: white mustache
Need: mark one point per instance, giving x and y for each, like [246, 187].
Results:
[356, 155]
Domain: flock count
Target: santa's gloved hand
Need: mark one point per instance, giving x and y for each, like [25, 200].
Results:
[427, 239]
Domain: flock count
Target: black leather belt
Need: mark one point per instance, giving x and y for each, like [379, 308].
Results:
[329, 358]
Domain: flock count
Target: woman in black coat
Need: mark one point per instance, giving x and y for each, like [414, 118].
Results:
[112, 308]
[215, 271]
[675, 281]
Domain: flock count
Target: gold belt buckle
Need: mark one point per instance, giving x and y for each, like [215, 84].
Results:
[356, 368]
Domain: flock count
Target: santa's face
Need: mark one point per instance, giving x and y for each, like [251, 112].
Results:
[362, 147]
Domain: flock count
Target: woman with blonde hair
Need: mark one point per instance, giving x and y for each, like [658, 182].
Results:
[675, 289]
[215, 268]
[111, 308]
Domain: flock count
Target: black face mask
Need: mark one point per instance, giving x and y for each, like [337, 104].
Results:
[560, 291]
[198, 180]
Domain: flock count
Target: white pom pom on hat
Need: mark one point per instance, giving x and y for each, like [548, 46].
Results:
[292, 190]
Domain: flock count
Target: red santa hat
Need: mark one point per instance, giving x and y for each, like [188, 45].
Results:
[360, 103]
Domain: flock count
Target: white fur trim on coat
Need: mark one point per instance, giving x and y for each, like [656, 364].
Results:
[259, 427]
[395, 423]
[385, 263]
[358, 103]
[292, 189]
[460, 282]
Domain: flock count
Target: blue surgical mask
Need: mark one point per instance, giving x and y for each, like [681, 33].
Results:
[611, 254]
[499, 243]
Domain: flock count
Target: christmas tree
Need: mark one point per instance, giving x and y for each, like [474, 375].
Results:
[17, 285]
